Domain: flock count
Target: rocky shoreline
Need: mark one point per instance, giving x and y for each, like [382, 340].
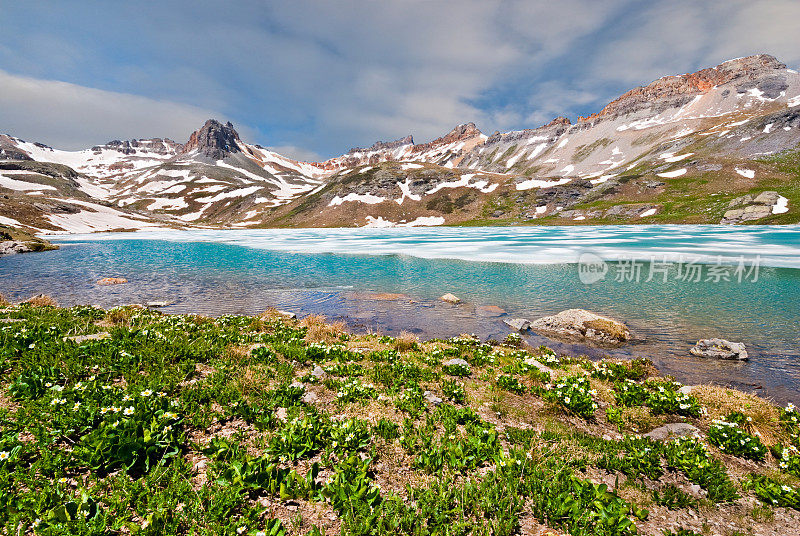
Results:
[14, 240]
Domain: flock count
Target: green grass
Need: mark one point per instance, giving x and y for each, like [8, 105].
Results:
[191, 425]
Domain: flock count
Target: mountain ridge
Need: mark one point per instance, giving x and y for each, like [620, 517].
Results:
[716, 129]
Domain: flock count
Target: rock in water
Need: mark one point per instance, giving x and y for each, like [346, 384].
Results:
[158, 304]
[111, 281]
[520, 324]
[450, 298]
[579, 323]
[720, 349]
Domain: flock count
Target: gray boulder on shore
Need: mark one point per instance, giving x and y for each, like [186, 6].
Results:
[579, 323]
[669, 431]
[720, 349]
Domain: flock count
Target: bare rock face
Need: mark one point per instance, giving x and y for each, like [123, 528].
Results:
[214, 140]
[720, 349]
[582, 324]
[384, 145]
[682, 87]
[749, 207]
[463, 132]
[163, 146]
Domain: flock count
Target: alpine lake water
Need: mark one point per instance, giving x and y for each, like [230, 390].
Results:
[673, 285]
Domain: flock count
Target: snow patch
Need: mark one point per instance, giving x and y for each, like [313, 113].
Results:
[422, 221]
[672, 157]
[602, 179]
[536, 183]
[673, 174]
[404, 187]
[22, 186]
[241, 192]
[768, 128]
[794, 101]
[406, 167]
[8, 221]
[781, 206]
[749, 173]
[361, 198]
[648, 212]
[482, 185]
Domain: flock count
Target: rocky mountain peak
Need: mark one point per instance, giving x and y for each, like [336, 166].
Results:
[558, 121]
[384, 145]
[214, 140]
[681, 87]
[467, 131]
[461, 132]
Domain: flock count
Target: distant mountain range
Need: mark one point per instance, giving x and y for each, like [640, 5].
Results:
[718, 145]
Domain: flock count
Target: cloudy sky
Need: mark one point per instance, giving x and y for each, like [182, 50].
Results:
[314, 78]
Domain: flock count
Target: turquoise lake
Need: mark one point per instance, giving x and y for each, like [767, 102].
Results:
[672, 284]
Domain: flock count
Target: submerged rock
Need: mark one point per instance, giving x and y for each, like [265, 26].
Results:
[520, 324]
[579, 323]
[720, 349]
[158, 303]
[112, 281]
[450, 298]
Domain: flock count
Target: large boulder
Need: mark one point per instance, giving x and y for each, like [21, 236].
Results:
[451, 298]
[751, 208]
[720, 349]
[582, 324]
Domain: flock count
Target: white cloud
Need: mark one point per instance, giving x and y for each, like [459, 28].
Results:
[69, 116]
[296, 153]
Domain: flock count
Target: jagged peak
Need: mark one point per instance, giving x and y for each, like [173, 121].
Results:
[558, 121]
[214, 140]
[384, 145]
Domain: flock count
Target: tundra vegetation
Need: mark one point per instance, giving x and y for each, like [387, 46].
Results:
[178, 424]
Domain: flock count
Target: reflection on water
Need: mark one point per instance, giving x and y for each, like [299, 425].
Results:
[218, 278]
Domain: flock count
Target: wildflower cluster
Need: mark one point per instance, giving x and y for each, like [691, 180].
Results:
[318, 352]
[660, 396]
[576, 394]
[731, 439]
[453, 390]
[510, 383]
[772, 492]
[457, 369]
[353, 390]
[689, 455]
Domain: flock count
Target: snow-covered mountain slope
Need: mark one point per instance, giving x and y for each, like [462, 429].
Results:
[214, 178]
[699, 147]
